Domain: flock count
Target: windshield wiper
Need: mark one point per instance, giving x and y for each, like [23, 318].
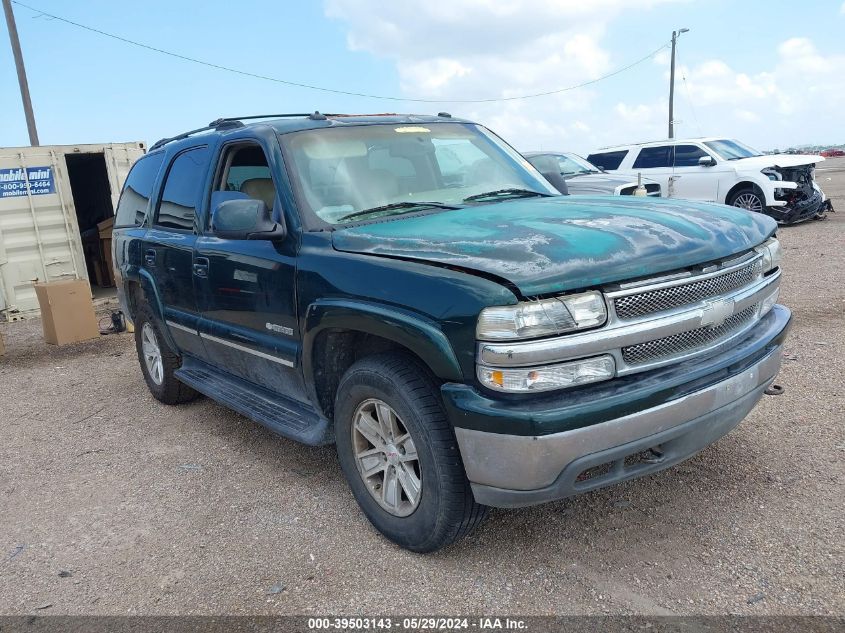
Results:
[395, 206]
[512, 191]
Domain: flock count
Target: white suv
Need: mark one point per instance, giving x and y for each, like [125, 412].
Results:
[727, 171]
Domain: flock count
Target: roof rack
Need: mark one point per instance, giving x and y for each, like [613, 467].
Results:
[233, 122]
[230, 123]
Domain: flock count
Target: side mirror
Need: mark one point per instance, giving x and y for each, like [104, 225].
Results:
[557, 181]
[706, 161]
[245, 219]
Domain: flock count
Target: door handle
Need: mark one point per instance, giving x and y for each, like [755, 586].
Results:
[201, 267]
[150, 258]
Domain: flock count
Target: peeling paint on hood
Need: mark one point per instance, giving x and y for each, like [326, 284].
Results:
[549, 245]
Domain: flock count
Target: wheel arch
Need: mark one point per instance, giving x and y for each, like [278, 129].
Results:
[142, 291]
[745, 184]
[338, 333]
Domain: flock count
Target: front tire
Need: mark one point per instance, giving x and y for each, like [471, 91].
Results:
[748, 199]
[400, 456]
[158, 361]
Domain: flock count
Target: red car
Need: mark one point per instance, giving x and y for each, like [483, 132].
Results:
[833, 153]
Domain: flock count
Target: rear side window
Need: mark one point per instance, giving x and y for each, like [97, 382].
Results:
[652, 157]
[688, 155]
[608, 160]
[182, 188]
[135, 197]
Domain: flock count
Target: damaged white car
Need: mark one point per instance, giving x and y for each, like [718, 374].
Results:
[724, 170]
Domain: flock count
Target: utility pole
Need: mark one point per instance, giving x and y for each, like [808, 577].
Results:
[675, 36]
[16, 51]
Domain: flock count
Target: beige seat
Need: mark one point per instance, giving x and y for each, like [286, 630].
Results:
[260, 189]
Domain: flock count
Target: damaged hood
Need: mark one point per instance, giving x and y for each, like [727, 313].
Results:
[776, 160]
[549, 245]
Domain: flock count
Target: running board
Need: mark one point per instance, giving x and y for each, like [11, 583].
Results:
[289, 418]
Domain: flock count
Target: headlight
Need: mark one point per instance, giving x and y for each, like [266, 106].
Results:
[771, 252]
[771, 173]
[547, 377]
[531, 319]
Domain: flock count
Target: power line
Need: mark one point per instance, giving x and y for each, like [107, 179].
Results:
[332, 90]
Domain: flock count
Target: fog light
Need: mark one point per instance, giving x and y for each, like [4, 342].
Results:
[769, 302]
[548, 377]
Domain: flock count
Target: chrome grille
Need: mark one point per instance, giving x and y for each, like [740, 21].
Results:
[638, 305]
[688, 341]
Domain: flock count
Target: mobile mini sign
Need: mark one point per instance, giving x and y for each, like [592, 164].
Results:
[14, 181]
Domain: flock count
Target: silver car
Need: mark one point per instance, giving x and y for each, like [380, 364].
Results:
[569, 173]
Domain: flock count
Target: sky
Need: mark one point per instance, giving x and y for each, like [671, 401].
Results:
[767, 72]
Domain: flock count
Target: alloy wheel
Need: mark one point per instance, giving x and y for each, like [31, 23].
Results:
[386, 457]
[152, 353]
[749, 201]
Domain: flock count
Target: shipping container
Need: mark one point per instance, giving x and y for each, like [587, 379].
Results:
[57, 203]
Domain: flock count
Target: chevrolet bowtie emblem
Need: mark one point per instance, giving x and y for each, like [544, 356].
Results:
[716, 312]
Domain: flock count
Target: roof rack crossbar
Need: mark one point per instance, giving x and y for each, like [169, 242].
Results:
[262, 116]
[224, 123]
[179, 137]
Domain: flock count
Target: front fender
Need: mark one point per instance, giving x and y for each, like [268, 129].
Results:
[419, 334]
[764, 184]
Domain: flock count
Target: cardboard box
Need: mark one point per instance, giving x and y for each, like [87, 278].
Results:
[105, 228]
[67, 312]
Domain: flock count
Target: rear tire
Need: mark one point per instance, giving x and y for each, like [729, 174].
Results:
[748, 199]
[158, 361]
[427, 502]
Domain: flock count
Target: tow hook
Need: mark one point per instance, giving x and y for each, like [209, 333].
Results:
[774, 390]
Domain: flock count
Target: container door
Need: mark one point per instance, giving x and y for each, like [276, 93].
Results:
[39, 239]
[119, 160]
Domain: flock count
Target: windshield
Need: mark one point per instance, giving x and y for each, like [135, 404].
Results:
[730, 149]
[341, 173]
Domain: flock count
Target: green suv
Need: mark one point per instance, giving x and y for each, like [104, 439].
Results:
[411, 289]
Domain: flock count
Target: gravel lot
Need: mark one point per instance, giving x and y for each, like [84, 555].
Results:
[111, 503]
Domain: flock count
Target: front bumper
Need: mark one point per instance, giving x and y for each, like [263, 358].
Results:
[691, 407]
[798, 211]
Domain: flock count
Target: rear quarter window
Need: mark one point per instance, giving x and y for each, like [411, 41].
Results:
[608, 160]
[183, 185]
[135, 197]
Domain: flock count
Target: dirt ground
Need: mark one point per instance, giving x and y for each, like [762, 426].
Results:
[112, 503]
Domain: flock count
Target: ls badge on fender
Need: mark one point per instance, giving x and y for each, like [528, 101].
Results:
[716, 312]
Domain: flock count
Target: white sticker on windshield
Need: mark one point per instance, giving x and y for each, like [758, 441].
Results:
[411, 129]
